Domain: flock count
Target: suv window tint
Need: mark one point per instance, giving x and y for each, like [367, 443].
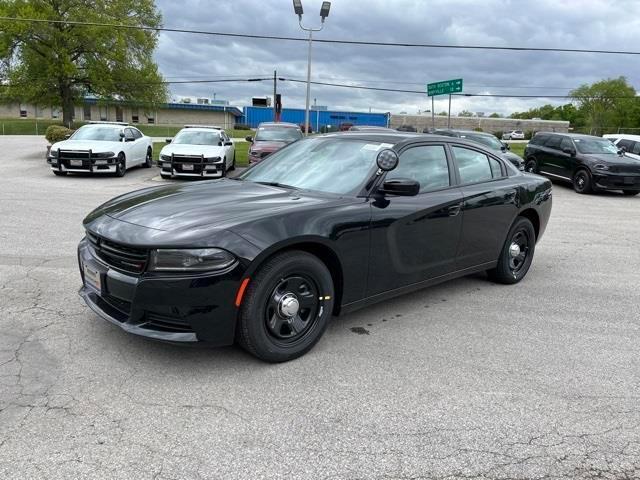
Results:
[628, 144]
[566, 143]
[473, 166]
[539, 139]
[553, 142]
[426, 164]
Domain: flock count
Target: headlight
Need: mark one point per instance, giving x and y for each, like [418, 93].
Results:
[53, 153]
[213, 159]
[194, 259]
[166, 158]
[600, 166]
[103, 155]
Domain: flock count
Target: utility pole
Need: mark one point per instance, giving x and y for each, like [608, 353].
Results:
[449, 117]
[433, 118]
[275, 86]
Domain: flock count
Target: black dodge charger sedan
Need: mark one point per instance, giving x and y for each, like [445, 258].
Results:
[589, 163]
[322, 227]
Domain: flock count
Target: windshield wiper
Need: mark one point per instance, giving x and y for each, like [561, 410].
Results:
[276, 184]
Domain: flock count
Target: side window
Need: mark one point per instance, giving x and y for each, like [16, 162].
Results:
[539, 139]
[426, 164]
[636, 148]
[628, 144]
[136, 133]
[496, 168]
[128, 133]
[473, 166]
[566, 143]
[553, 142]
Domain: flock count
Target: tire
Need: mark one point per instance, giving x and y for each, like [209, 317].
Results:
[513, 264]
[233, 163]
[148, 161]
[531, 166]
[630, 193]
[58, 173]
[268, 332]
[582, 182]
[224, 167]
[121, 166]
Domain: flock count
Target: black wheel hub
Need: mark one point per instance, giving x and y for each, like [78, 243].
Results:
[518, 251]
[581, 181]
[292, 308]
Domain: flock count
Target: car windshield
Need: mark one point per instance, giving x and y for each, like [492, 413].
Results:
[595, 145]
[191, 137]
[101, 134]
[488, 140]
[278, 134]
[332, 165]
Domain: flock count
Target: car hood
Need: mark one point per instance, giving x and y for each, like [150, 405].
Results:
[96, 146]
[192, 209]
[268, 146]
[614, 159]
[180, 149]
[512, 157]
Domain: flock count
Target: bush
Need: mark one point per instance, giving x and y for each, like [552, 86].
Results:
[241, 126]
[478, 129]
[57, 133]
[528, 134]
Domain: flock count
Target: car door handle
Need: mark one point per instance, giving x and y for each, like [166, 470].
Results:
[454, 209]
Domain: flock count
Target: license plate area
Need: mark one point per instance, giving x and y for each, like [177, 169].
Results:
[187, 166]
[75, 163]
[92, 278]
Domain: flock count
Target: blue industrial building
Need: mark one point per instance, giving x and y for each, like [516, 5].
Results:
[252, 116]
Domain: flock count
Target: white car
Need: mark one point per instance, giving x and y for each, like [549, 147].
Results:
[198, 151]
[513, 135]
[101, 147]
[629, 143]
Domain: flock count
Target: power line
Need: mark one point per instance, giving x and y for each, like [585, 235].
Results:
[320, 40]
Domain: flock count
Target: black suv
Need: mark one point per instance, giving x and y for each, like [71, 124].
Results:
[590, 163]
[486, 139]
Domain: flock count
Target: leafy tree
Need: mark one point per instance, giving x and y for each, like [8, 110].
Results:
[607, 105]
[59, 63]
[495, 115]
[465, 113]
[442, 114]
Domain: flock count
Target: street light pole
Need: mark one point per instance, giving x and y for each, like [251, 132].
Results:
[324, 13]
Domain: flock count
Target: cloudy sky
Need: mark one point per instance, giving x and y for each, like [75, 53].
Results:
[584, 24]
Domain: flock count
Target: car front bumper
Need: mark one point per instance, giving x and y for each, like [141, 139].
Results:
[617, 181]
[173, 308]
[94, 165]
[207, 170]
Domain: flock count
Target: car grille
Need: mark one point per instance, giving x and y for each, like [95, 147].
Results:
[75, 154]
[166, 323]
[119, 256]
[66, 156]
[626, 169]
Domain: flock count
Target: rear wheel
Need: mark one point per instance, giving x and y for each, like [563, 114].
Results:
[286, 308]
[531, 166]
[121, 166]
[148, 161]
[582, 182]
[233, 163]
[630, 193]
[516, 254]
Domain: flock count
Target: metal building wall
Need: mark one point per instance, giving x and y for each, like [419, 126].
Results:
[318, 118]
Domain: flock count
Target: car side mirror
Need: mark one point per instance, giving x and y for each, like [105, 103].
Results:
[220, 143]
[403, 187]
[228, 143]
[569, 151]
[249, 139]
[168, 140]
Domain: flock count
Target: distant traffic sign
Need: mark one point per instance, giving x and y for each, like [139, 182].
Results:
[444, 88]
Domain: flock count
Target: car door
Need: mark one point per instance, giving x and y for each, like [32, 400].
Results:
[416, 238]
[566, 158]
[140, 145]
[489, 205]
[551, 158]
[130, 148]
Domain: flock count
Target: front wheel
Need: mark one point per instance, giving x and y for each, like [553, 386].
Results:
[630, 193]
[121, 166]
[286, 308]
[233, 163]
[516, 254]
[582, 182]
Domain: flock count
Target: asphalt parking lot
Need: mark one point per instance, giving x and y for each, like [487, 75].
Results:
[466, 379]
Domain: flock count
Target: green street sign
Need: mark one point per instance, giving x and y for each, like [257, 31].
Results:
[444, 88]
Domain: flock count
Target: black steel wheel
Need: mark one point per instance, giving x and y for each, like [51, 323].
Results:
[516, 254]
[121, 165]
[148, 161]
[531, 166]
[286, 307]
[582, 182]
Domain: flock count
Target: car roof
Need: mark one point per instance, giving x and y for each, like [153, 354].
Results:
[623, 136]
[570, 135]
[118, 126]
[396, 138]
[202, 129]
[278, 124]
[466, 132]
